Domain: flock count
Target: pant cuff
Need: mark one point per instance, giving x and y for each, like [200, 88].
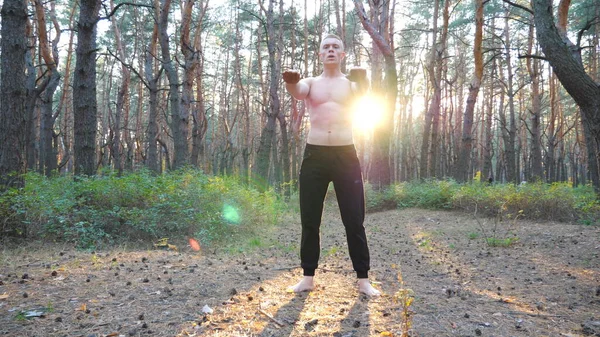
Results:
[362, 274]
[309, 272]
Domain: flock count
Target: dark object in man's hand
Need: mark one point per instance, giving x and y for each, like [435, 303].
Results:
[357, 75]
[291, 76]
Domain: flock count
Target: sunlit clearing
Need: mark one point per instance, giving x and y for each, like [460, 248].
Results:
[368, 112]
[231, 214]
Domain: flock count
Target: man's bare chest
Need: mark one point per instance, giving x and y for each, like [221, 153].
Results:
[337, 91]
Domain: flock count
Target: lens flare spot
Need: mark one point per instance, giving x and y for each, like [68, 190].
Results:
[231, 214]
[368, 111]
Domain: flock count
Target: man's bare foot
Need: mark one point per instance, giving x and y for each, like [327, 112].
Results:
[365, 287]
[306, 284]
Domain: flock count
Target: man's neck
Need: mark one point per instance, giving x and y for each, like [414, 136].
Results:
[331, 70]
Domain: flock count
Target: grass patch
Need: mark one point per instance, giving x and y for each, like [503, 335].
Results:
[505, 242]
[473, 236]
[92, 212]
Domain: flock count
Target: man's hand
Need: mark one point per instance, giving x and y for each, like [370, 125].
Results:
[291, 76]
[357, 75]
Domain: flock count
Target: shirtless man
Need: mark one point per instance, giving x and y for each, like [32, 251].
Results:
[330, 156]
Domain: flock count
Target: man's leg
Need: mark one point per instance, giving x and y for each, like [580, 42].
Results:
[313, 188]
[351, 200]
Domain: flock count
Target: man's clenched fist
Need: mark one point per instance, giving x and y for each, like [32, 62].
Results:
[357, 75]
[291, 76]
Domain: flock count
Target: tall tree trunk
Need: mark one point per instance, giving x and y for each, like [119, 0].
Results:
[263, 160]
[152, 80]
[571, 73]
[533, 68]
[434, 104]
[487, 171]
[122, 107]
[63, 110]
[550, 159]
[199, 123]
[464, 159]
[48, 159]
[85, 107]
[191, 62]
[382, 37]
[285, 141]
[509, 128]
[179, 120]
[13, 94]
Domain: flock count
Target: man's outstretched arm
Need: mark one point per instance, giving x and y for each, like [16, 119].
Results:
[297, 88]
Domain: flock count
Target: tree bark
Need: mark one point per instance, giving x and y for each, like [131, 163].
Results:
[13, 126]
[48, 159]
[571, 73]
[263, 160]
[464, 159]
[152, 80]
[122, 106]
[533, 68]
[199, 123]
[509, 128]
[85, 107]
[179, 120]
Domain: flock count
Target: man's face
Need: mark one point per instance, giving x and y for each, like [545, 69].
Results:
[332, 51]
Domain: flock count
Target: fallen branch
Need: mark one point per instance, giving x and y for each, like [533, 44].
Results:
[532, 314]
[276, 321]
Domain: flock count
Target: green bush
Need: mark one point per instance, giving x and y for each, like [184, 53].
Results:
[105, 209]
[535, 201]
[539, 201]
[430, 194]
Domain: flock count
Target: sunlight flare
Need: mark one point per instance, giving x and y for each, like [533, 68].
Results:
[368, 112]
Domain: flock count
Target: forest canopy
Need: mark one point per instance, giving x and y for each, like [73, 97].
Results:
[501, 91]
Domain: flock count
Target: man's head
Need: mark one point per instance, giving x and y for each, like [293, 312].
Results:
[331, 49]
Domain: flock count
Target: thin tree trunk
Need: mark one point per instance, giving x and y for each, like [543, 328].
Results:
[152, 82]
[121, 109]
[462, 173]
[434, 104]
[510, 128]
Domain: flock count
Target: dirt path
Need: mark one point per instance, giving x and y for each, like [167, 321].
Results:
[546, 284]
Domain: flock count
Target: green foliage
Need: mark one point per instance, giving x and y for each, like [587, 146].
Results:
[534, 201]
[505, 242]
[430, 194]
[473, 236]
[557, 201]
[105, 209]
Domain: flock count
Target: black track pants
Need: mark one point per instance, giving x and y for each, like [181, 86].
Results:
[321, 165]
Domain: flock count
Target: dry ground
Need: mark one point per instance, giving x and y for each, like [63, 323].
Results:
[545, 284]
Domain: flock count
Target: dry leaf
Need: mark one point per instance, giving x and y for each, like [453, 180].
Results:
[3, 296]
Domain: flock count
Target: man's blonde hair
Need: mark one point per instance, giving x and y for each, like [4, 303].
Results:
[333, 36]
